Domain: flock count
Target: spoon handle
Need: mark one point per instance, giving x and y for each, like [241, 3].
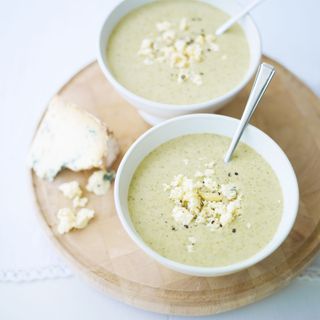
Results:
[235, 18]
[263, 78]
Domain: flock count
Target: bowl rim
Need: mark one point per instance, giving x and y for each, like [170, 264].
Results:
[180, 107]
[200, 270]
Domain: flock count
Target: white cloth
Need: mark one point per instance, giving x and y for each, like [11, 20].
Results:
[38, 55]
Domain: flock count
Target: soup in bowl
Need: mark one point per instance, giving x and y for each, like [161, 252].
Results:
[186, 208]
[164, 57]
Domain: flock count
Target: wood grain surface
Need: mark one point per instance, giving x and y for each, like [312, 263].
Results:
[104, 254]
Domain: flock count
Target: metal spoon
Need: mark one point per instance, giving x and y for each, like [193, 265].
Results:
[228, 24]
[263, 78]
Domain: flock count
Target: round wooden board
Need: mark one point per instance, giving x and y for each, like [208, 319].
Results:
[104, 254]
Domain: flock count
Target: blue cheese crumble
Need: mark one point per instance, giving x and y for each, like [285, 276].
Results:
[71, 189]
[68, 219]
[175, 45]
[201, 200]
[100, 182]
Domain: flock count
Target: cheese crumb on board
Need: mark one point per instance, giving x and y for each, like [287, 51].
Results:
[83, 217]
[202, 200]
[79, 202]
[68, 219]
[100, 181]
[71, 189]
[69, 137]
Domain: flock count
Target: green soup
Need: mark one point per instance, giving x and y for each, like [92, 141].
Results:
[251, 229]
[207, 67]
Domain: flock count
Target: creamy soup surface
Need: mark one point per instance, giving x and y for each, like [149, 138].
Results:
[166, 52]
[254, 222]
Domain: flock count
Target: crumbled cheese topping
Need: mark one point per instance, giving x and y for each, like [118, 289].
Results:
[100, 181]
[183, 25]
[71, 189]
[202, 200]
[190, 248]
[186, 161]
[196, 79]
[182, 215]
[208, 172]
[210, 165]
[183, 75]
[163, 26]
[229, 191]
[192, 242]
[180, 48]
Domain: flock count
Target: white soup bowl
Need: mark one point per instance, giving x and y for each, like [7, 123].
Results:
[215, 124]
[155, 112]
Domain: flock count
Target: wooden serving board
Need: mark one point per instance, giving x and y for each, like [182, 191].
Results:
[104, 254]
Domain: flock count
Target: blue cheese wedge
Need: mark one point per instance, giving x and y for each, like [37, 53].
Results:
[71, 138]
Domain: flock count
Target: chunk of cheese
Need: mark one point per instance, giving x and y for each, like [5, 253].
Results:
[67, 220]
[69, 137]
[71, 189]
[99, 182]
[83, 217]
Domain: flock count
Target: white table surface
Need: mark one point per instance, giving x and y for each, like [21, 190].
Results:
[42, 44]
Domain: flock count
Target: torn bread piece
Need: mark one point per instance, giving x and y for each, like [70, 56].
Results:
[71, 138]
